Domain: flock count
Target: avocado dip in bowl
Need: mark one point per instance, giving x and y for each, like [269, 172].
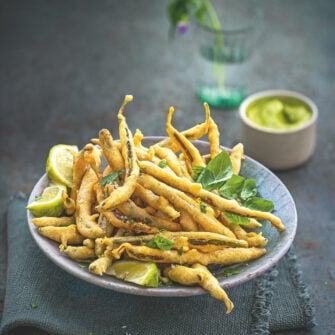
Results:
[279, 128]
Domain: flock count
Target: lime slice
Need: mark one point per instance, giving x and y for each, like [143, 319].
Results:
[59, 166]
[140, 273]
[50, 203]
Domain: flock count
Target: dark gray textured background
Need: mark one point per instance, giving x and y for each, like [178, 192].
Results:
[66, 65]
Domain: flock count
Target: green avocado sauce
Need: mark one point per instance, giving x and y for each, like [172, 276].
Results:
[278, 113]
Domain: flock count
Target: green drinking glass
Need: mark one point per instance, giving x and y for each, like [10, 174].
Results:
[225, 55]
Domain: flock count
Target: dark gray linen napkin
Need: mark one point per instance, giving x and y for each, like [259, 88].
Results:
[43, 299]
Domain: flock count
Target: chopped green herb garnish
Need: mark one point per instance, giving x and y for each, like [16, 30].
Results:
[160, 242]
[231, 272]
[163, 163]
[180, 251]
[33, 305]
[203, 208]
[38, 197]
[111, 177]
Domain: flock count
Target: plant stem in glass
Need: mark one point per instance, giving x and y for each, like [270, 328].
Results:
[218, 49]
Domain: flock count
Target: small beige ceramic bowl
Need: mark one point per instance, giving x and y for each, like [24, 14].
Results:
[279, 149]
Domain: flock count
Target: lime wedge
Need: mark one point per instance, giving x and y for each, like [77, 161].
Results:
[50, 203]
[59, 166]
[140, 273]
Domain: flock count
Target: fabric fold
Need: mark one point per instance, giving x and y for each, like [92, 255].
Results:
[43, 299]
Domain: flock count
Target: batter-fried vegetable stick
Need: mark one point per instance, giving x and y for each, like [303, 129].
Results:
[192, 154]
[80, 253]
[99, 192]
[193, 133]
[226, 256]
[125, 191]
[111, 150]
[187, 223]
[116, 241]
[100, 265]
[138, 137]
[199, 274]
[211, 198]
[173, 180]
[86, 221]
[142, 152]
[45, 221]
[203, 241]
[205, 208]
[157, 202]
[233, 206]
[177, 198]
[107, 170]
[86, 157]
[213, 137]
[168, 178]
[130, 209]
[79, 168]
[137, 227]
[69, 204]
[236, 156]
[253, 239]
[186, 173]
[170, 157]
[89, 243]
[92, 156]
[105, 225]
[99, 248]
[252, 224]
[63, 235]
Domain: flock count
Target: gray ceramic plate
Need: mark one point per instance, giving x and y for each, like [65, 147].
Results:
[269, 187]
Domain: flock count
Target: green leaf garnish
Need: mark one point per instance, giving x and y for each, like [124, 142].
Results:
[249, 189]
[163, 163]
[217, 171]
[237, 219]
[111, 177]
[218, 174]
[232, 188]
[160, 242]
[259, 204]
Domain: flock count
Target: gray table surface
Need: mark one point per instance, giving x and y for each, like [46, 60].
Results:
[66, 65]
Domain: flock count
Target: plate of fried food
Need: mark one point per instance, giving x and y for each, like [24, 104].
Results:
[164, 216]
